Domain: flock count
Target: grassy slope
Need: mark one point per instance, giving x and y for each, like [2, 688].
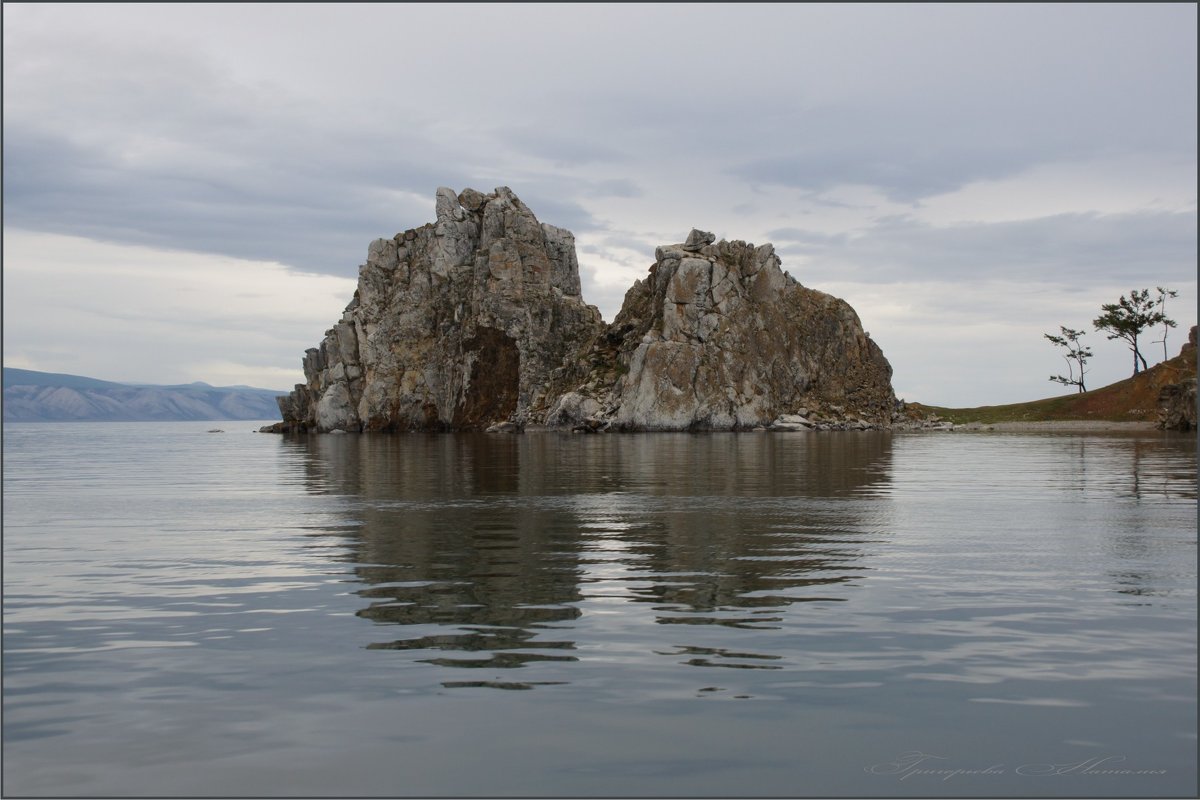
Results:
[1132, 399]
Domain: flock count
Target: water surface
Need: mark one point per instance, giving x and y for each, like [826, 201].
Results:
[839, 614]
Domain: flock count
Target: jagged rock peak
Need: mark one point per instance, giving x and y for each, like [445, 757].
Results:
[697, 239]
[454, 325]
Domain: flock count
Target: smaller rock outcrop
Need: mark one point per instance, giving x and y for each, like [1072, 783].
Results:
[1177, 406]
[1177, 401]
[719, 337]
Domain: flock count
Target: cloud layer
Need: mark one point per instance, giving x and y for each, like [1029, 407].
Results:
[913, 147]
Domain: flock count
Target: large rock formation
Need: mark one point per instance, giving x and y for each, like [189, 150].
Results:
[478, 321]
[454, 326]
[718, 337]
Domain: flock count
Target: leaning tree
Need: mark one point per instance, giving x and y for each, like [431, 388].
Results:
[1129, 317]
[1077, 355]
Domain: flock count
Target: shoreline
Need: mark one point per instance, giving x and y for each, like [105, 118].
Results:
[1038, 426]
[1060, 426]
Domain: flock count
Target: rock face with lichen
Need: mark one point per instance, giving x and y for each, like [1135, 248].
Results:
[1177, 400]
[454, 326]
[718, 337]
[477, 321]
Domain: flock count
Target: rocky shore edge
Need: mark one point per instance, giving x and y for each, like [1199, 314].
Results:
[793, 423]
[1034, 426]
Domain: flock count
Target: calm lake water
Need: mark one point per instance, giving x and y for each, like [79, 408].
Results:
[835, 614]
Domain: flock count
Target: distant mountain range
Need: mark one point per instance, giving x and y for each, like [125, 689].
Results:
[31, 396]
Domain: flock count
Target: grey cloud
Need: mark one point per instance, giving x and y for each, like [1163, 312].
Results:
[908, 157]
[629, 250]
[243, 174]
[624, 240]
[1066, 248]
[910, 153]
[564, 144]
[263, 213]
[1039, 86]
[130, 143]
[616, 187]
[903, 176]
[799, 239]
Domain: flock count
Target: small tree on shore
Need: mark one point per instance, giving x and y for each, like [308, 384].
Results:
[1076, 355]
[1128, 318]
[1163, 296]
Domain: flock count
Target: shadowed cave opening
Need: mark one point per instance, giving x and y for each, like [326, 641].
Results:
[494, 382]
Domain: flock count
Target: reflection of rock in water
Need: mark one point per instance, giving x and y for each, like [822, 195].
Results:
[443, 541]
[767, 521]
[485, 549]
[1147, 470]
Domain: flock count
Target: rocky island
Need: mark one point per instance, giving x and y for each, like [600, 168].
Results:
[476, 322]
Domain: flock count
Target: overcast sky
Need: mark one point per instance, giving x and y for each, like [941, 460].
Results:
[189, 190]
